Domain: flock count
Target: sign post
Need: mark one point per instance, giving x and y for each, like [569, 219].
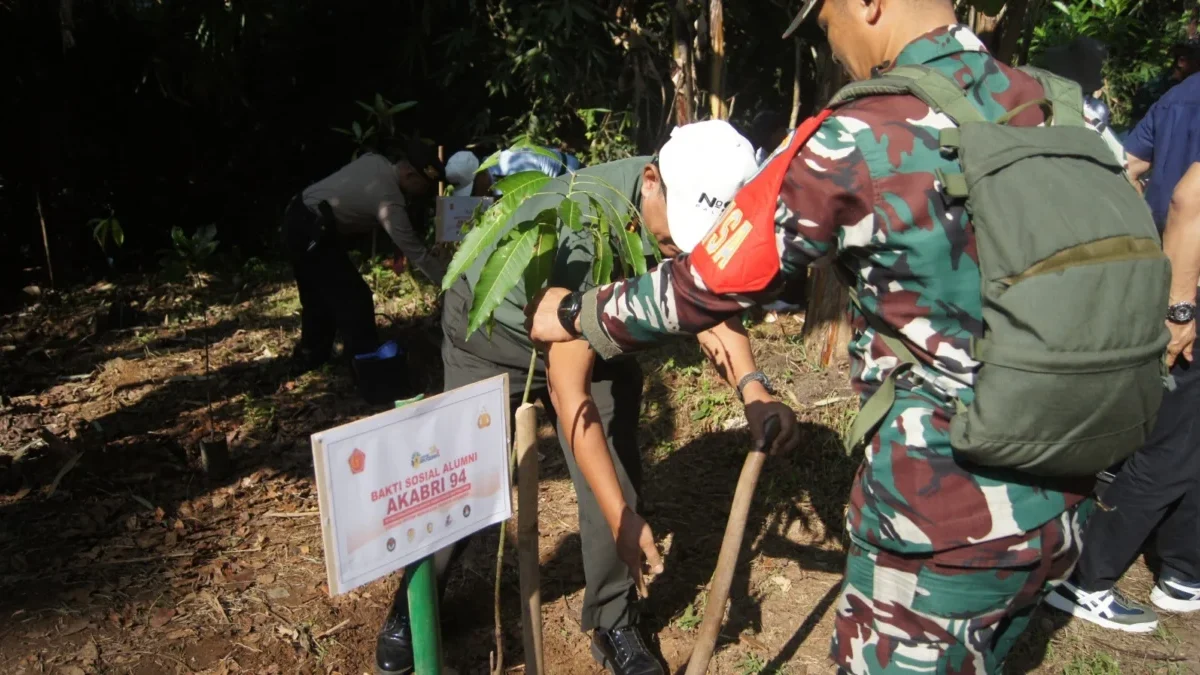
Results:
[396, 487]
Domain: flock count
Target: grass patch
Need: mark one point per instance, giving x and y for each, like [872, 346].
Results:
[1097, 663]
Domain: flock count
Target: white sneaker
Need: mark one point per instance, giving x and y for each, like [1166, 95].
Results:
[1175, 595]
[1108, 608]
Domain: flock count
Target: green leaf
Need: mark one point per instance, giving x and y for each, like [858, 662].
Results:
[178, 237]
[481, 237]
[357, 129]
[401, 107]
[1061, 7]
[118, 234]
[489, 162]
[519, 181]
[504, 268]
[571, 214]
[364, 106]
[632, 251]
[542, 265]
[603, 267]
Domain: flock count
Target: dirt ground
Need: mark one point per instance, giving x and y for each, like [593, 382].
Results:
[117, 555]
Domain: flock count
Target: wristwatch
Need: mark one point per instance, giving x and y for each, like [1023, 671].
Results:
[755, 376]
[568, 312]
[1181, 312]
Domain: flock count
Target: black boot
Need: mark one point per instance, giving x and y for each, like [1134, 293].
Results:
[393, 646]
[623, 651]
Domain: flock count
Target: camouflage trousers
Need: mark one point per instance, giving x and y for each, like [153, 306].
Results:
[946, 613]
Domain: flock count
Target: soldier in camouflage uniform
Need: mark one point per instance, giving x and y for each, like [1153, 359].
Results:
[947, 560]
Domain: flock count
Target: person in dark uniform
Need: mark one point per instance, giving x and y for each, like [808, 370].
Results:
[372, 191]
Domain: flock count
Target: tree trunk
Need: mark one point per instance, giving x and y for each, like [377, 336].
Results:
[826, 326]
[681, 76]
[1011, 30]
[716, 28]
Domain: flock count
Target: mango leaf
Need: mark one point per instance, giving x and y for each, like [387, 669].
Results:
[491, 161]
[115, 231]
[537, 273]
[518, 188]
[632, 251]
[655, 250]
[357, 129]
[504, 268]
[401, 107]
[603, 266]
[571, 214]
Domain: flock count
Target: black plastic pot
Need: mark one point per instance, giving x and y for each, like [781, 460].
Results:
[214, 456]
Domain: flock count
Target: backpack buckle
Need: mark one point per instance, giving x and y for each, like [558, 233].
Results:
[954, 185]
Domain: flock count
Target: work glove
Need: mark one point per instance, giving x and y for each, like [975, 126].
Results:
[773, 427]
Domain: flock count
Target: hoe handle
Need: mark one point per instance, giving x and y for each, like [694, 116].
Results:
[714, 611]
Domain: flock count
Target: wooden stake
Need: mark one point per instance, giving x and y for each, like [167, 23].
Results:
[527, 537]
[794, 118]
[37, 190]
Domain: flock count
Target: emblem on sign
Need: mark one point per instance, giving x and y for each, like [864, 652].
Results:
[358, 461]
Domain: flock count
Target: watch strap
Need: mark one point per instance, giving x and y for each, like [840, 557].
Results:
[755, 376]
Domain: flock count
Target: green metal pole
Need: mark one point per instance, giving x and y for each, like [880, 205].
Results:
[423, 608]
[426, 621]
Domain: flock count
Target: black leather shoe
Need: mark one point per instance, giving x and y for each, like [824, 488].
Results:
[393, 646]
[623, 651]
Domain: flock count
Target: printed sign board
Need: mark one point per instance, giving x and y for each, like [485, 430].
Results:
[454, 212]
[400, 485]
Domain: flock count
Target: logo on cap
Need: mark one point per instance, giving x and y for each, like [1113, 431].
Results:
[711, 202]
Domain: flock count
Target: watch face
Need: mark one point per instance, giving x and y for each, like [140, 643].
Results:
[1182, 313]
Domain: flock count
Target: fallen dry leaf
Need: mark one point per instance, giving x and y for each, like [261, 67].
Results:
[161, 617]
[218, 501]
[180, 634]
[265, 579]
[89, 653]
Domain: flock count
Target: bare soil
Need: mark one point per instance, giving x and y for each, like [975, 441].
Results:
[118, 555]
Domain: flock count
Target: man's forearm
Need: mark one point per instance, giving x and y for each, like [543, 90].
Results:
[728, 348]
[1181, 238]
[400, 231]
[646, 310]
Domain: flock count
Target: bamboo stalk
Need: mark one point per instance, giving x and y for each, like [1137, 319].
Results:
[527, 537]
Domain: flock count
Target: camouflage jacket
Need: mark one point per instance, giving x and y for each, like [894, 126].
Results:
[863, 189]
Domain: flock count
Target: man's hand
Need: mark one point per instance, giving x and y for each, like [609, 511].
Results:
[759, 411]
[398, 264]
[635, 541]
[541, 317]
[1183, 336]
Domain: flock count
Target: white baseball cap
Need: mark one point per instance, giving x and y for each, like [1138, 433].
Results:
[460, 172]
[703, 165]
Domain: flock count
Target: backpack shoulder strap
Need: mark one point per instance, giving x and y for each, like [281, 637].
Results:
[1065, 96]
[936, 89]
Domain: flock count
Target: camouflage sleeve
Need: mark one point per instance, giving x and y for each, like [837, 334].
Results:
[826, 197]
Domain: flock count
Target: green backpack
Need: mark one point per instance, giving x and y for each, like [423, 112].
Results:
[1074, 286]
